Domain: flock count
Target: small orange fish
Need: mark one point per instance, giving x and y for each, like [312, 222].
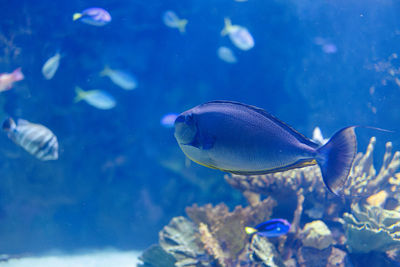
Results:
[7, 79]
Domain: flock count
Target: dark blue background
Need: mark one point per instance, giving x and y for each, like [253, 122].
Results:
[121, 176]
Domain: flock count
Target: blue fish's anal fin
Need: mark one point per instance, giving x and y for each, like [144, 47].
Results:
[299, 164]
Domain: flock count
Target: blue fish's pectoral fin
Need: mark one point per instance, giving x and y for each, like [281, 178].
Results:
[195, 143]
[202, 142]
[208, 142]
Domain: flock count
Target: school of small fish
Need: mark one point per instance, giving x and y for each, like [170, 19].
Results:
[201, 132]
[28, 135]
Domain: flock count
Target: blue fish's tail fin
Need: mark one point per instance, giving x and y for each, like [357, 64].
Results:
[336, 157]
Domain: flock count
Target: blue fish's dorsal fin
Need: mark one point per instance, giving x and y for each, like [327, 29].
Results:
[261, 111]
[267, 226]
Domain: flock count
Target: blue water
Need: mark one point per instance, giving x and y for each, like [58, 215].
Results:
[120, 176]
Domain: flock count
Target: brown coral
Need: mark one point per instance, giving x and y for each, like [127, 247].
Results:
[228, 227]
[363, 179]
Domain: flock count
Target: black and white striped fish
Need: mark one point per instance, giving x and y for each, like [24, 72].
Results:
[34, 138]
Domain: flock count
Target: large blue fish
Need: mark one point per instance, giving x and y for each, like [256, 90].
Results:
[243, 139]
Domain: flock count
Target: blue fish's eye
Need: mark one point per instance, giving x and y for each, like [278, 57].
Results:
[189, 119]
[180, 118]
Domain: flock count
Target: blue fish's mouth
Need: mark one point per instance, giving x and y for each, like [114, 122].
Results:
[185, 129]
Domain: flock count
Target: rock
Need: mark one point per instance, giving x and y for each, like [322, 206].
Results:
[265, 252]
[329, 257]
[316, 235]
[155, 256]
[180, 238]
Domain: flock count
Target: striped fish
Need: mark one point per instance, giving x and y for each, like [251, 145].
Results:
[34, 138]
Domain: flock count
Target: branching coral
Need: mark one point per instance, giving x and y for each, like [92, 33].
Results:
[265, 252]
[228, 227]
[215, 237]
[363, 179]
[287, 182]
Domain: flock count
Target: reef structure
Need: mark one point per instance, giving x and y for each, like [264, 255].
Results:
[325, 229]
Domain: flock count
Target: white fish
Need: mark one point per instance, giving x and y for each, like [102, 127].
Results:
[50, 66]
[226, 54]
[326, 46]
[121, 78]
[173, 21]
[168, 120]
[8, 79]
[34, 138]
[317, 136]
[239, 35]
[96, 98]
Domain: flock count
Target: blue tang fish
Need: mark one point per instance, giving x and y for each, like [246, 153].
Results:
[246, 140]
[271, 228]
[95, 16]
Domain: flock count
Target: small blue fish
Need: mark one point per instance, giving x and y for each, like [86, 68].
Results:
[121, 78]
[173, 21]
[271, 228]
[96, 98]
[95, 16]
[246, 140]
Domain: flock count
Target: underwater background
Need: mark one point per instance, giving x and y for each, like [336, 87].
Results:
[121, 176]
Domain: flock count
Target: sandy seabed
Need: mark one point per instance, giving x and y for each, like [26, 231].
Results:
[101, 258]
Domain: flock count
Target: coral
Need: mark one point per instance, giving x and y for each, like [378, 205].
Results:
[155, 256]
[228, 227]
[216, 237]
[211, 245]
[338, 258]
[316, 235]
[288, 182]
[180, 238]
[265, 252]
[328, 257]
[378, 199]
[371, 228]
[363, 179]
